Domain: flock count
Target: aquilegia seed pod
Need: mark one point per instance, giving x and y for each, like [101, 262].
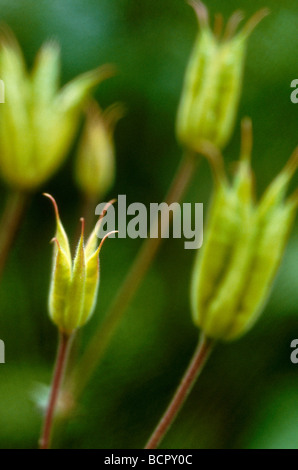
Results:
[242, 250]
[213, 81]
[95, 164]
[74, 284]
[38, 120]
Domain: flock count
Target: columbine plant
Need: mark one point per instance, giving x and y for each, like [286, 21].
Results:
[38, 122]
[205, 122]
[242, 250]
[213, 80]
[234, 271]
[95, 164]
[72, 299]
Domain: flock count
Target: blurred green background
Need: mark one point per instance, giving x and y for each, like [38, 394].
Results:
[247, 395]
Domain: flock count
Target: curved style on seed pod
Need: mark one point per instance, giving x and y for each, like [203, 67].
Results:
[95, 163]
[213, 80]
[74, 284]
[244, 244]
[38, 120]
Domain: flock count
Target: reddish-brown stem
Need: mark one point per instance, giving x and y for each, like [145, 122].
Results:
[100, 340]
[10, 223]
[59, 369]
[195, 367]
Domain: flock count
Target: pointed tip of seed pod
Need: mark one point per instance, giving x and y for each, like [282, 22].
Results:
[112, 201]
[104, 238]
[51, 45]
[7, 37]
[53, 202]
[91, 242]
[92, 110]
[55, 240]
[246, 139]
[80, 246]
[233, 24]
[106, 71]
[253, 22]
[109, 203]
[112, 114]
[98, 75]
[82, 220]
[279, 185]
[201, 12]
[104, 211]
[293, 199]
[218, 25]
[292, 164]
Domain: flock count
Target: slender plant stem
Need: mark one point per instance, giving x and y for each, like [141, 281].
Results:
[60, 364]
[101, 338]
[10, 223]
[195, 367]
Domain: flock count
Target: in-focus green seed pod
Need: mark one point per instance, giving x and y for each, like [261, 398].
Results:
[213, 81]
[74, 284]
[95, 164]
[242, 249]
[38, 120]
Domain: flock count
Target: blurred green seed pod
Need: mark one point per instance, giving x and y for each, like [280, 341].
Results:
[38, 120]
[95, 163]
[74, 283]
[244, 244]
[213, 80]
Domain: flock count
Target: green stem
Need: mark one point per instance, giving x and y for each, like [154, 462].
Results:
[195, 367]
[101, 338]
[59, 369]
[10, 223]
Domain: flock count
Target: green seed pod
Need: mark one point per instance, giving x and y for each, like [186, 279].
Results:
[242, 250]
[74, 284]
[269, 246]
[38, 120]
[213, 81]
[95, 164]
